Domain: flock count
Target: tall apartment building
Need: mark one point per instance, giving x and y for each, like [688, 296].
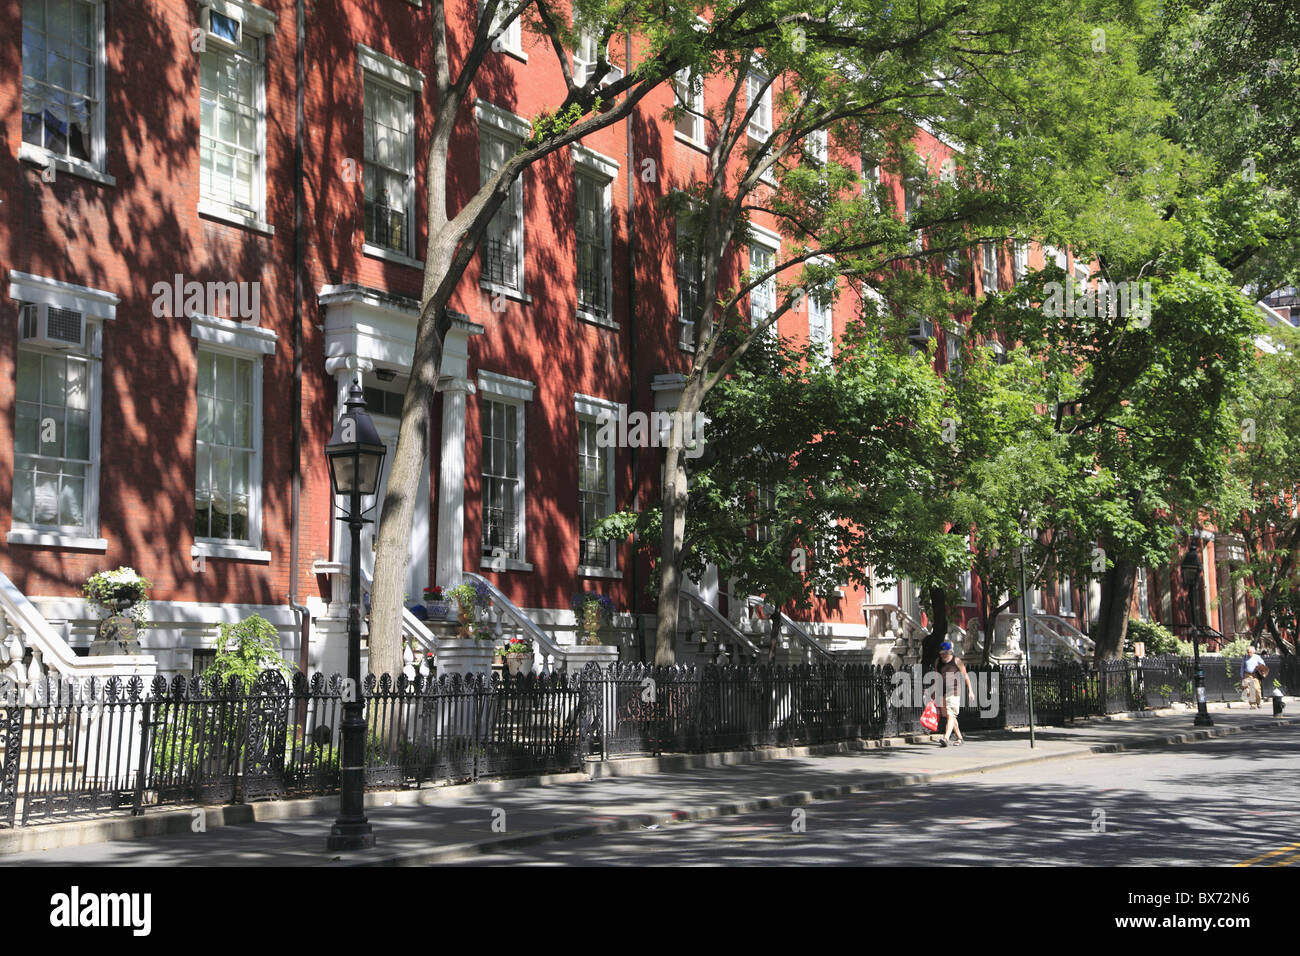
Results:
[154, 412]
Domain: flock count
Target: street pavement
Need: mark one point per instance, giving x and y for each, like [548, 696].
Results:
[991, 801]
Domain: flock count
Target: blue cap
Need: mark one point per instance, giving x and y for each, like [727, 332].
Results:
[946, 646]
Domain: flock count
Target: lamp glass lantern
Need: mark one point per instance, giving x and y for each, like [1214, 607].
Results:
[356, 453]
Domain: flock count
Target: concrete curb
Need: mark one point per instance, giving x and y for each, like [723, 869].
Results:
[463, 851]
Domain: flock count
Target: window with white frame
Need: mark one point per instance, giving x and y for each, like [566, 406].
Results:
[967, 588]
[759, 93]
[227, 484]
[820, 333]
[765, 513]
[689, 288]
[1054, 256]
[688, 96]
[511, 38]
[585, 56]
[815, 146]
[54, 467]
[500, 134]
[871, 178]
[1144, 606]
[952, 262]
[594, 229]
[501, 416]
[57, 398]
[232, 112]
[762, 297]
[1082, 271]
[989, 266]
[63, 79]
[1021, 260]
[595, 484]
[911, 203]
[952, 348]
[389, 153]
[1065, 595]
[502, 424]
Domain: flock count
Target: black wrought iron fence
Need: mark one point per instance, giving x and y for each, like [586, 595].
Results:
[67, 751]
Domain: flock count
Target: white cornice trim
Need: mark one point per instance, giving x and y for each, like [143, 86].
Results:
[233, 335]
[494, 383]
[502, 119]
[258, 19]
[596, 162]
[387, 68]
[92, 303]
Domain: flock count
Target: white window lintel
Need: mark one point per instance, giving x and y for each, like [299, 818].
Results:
[92, 303]
[592, 161]
[503, 120]
[258, 20]
[235, 336]
[505, 386]
[389, 69]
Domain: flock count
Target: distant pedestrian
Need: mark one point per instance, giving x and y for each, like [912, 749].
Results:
[951, 673]
[1250, 674]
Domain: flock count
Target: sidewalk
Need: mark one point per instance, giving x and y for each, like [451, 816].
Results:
[440, 825]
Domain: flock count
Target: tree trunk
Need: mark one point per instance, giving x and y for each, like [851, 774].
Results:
[670, 554]
[938, 629]
[1113, 613]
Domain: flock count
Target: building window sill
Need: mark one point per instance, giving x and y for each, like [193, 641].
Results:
[590, 572]
[688, 141]
[591, 318]
[212, 211]
[390, 255]
[74, 167]
[518, 54]
[494, 289]
[510, 564]
[232, 552]
[55, 539]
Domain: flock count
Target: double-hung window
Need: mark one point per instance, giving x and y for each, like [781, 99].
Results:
[911, 203]
[56, 412]
[762, 297]
[819, 319]
[815, 146]
[989, 266]
[1065, 599]
[688, 96]
[509, 40]
[759, 93]
[388, 115]
[1144, 603]
[1082, 272]
[226, 454]
[228, 437]
[500, 135]
[63, 82]
[501, 417]
[595, 484]
[232, 112]
[690, 288]
[1021, 261]
[593, 176]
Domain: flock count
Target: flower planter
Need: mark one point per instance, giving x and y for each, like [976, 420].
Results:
[458, 655]
[437, 610]
[519, 664]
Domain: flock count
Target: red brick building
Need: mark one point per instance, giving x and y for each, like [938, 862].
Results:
[175, 344]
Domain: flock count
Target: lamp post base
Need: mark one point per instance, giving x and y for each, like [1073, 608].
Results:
[1203, 720]
[351, 836]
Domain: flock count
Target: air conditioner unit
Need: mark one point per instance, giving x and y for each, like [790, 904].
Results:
[48, 325]
[220, 29]
[921, 333]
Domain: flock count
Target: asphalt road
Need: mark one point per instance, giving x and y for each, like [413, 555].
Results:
[1216, 803]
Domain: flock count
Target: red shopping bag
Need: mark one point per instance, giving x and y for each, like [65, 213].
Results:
[930, 716]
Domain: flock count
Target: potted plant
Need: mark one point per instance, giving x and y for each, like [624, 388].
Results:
[469, 598]
[592, 610]
[436, 605]
[517, 654]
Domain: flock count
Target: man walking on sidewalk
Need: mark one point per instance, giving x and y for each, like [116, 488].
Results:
[1250, 678]
[950, 666]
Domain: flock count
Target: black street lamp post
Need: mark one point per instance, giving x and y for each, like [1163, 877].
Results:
[356, 457]
[1191, 571]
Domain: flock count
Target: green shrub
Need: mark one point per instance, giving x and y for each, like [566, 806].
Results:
[1155, 636]
[246, 649]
